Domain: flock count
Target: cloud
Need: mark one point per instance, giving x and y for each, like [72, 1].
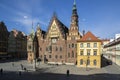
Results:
[26, 21]
[22, 14]
[25, 17]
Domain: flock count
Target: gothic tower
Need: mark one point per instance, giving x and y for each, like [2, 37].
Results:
[74, 28]
[32, 46]
[73, 36]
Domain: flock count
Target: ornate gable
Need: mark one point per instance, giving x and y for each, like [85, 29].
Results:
[56, 29]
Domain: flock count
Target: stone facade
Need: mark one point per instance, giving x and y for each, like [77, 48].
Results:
[59, 44]
[112, 51]
[89, 51]
[17, 44]
[3, 39]
[32, 48]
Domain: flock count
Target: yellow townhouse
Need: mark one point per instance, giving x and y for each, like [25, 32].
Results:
[89, 51]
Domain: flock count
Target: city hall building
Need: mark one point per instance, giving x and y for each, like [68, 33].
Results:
[58, 44]
[61, 45]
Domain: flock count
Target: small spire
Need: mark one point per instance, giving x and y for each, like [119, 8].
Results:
[38, 25]
[32, 28]
[74, 2]
[74, 5]
[32, 24]
[54, 15]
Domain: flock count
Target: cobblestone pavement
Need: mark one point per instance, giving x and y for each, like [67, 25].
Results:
[56, 72]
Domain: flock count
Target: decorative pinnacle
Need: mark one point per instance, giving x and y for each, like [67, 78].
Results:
[32, 28]
[38, 24]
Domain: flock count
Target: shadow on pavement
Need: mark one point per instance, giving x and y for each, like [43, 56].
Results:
[11, 60]
[41, 75]
[105, 62]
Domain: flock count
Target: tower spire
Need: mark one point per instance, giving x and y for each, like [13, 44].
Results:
[74, 17]
[74, 2]
[74, 5]
[74, 13]
[32, 27]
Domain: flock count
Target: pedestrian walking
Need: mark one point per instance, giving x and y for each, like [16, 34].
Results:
[68, 73]
[21, 66]
[1, 71]
[13, 64]
[19, 73]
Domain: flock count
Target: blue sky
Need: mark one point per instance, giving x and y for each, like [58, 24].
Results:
[102, 17]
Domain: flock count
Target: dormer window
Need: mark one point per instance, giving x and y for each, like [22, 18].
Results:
[89, 38]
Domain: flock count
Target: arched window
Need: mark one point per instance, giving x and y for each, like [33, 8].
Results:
[81, 62]
[95, 62]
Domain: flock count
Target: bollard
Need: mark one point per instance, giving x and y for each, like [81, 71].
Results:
[13, 64]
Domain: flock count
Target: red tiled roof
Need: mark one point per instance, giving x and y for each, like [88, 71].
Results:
[89, 37]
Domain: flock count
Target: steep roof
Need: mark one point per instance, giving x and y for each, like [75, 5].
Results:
[89, 37]
[63, 29]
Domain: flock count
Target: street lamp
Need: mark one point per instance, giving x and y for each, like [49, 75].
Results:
[34, 51]
[87, 61]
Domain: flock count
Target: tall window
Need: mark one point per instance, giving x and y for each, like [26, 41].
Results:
[46, 49]
[75, 45]
[49, 48]
[50, 56]
[81, 45]
[56, 56]
[88, 52]
[72, 45]
[60, 56]
[81, 62]
[56, 49]
[88, 62]
[95, 52]
[60, 48]
[95, 45]
[81, 52]
[88, 45]
[29, 47]
[69, 45]
[40, 49]
[95, 62]
[68, 54]
[72, 54]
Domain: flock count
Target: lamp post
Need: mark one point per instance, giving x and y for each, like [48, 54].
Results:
[87, 62]
[34, 51]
